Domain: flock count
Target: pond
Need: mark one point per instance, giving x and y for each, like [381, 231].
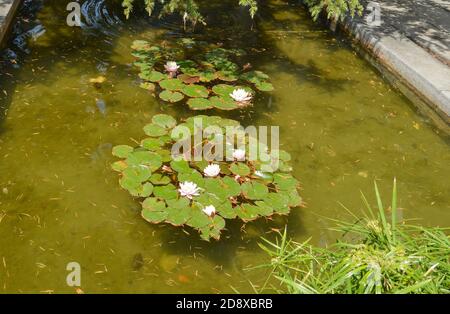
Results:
[343, 123]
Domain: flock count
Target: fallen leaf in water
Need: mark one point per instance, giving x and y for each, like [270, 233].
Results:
[363, 174]
[183, 279]
[416, 125]
[97, 80]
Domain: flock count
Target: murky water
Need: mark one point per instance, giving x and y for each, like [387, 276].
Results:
[60, 202]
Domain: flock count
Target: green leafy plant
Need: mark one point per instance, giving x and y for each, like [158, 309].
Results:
[381, 257]
[200, 194]
[206, 75]
[188, 9]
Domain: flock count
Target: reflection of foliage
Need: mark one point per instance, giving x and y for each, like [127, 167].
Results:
[207, 74]
[336, 9]
[188, 9]
[243, 189]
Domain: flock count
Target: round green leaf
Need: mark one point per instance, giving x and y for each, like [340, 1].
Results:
[122, 151]
[172, 84]
[195, 91]
[199, 104]
[223, 103]
[240, 169]
[155, 130]
[170, 96]
[164, 120]
[254, 190]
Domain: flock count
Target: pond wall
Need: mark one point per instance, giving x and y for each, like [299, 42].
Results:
[8, 9]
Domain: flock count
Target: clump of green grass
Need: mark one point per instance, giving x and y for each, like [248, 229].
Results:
[382, 257]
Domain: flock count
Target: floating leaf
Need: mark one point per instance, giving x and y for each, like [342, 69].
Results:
[164, 120]
[196, 91]
[150, 172]
[154, 210]
[166, 192]
[172, 84]
[189, 79]
[199, 104]
[265, 87]
[122, 151]
[223, 90]
[223, 103]
[155, 130]
[159, 179]
[240, 169]
[152, 143]
[152, 76]
[171, 96]
[254, 190]
[148, 86]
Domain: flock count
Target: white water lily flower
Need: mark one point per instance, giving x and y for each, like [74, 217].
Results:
[171, 66]
[212, 170]
[241, 95]
[189, 189]
[239, 154]
[209, 210]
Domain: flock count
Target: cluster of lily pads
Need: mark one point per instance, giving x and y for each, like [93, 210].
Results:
[202, 194]
[207, 76]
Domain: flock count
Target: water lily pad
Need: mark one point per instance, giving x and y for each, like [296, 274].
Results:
[279, 202]
[150, 172]
[119, 166]
[154, 210]
[145, 158]
[207, 76]
[152, 76]
[137, 173]
[285, 181]
[164, 120]
[181, 166]
[122, 151]
[148, 86]
[170, 96]
[247, 212]
[178, 212]
[152, 143]
[165, 192]
[240, 169]
[226, 211]
[223, 103]
[265, 87]
[188, 79]
[223, 90]
[173, 84]
[197, 91]
[227, 76]
[198, 219]
[254, 190]
[155, 130]
[159, 179]
[255, 77]
[199, 104]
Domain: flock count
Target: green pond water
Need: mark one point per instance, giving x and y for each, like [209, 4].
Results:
[344, 125]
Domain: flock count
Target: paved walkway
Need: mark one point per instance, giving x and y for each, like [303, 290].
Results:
[413, 41]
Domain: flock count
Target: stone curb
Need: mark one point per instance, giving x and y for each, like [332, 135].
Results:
[418, 69]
